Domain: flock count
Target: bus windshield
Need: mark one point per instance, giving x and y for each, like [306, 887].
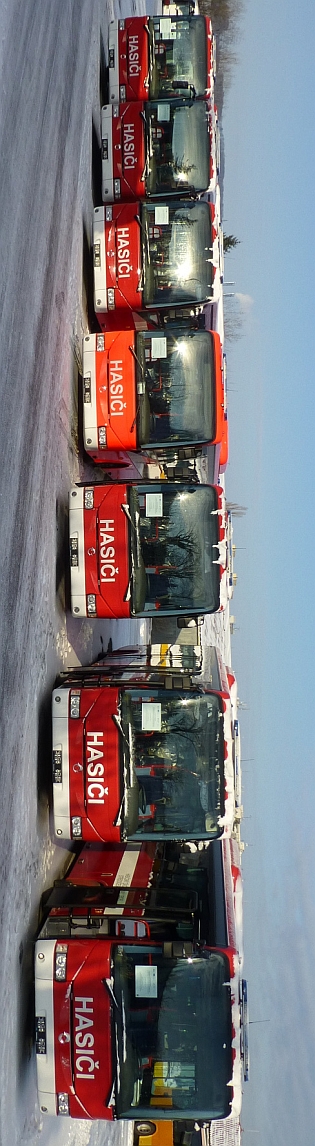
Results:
[172, 1034]
[175, 384]
[176, 253]
[178, 147]
[174, 553]
[178, 55]
[178, 747]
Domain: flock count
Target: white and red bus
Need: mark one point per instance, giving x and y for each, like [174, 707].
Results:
[150, 255]
[159, 392]
[138, 991]
[143, 747]
[141, 547]
[160, 57]
[154, 149]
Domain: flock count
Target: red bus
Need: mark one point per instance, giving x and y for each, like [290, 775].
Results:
[160, 57]
[139, 547]
[161, 392]
[155, 149]
[143, 747]
[153, 255]
[138, 992]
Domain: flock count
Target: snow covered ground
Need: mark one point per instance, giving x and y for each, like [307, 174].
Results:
[49, 179]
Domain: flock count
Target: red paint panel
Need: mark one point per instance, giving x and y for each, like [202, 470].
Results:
[93, 746]
[106, 534]
[133, 43]
[116, 391]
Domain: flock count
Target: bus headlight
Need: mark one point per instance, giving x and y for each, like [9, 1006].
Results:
[117, 188]
[102, 437]
[76, 827]
[61, 962]
[63, 1104]
[91, 605]
[75, 704]
[111, 298]
[122, 93]
[89, 499]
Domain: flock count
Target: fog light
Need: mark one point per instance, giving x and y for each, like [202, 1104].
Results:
[102, 438]
[62, 1104]
[91, 605]
[75, 704]
[117, 188]
[122, 93]
[61, 962]
[111, 298]
[89, 499]
[76, 827]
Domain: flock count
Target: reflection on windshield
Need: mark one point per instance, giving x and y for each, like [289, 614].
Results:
[178, 744]
[173, 1034]
[176, 252]
[179, 55]
[178, 531]
[178, 145]
[176, 402]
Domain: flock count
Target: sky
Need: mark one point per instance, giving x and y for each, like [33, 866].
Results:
[269, 137]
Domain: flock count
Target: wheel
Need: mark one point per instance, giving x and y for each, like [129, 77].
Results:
[145, 1128]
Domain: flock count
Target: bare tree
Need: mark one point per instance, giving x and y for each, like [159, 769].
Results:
[233, 318]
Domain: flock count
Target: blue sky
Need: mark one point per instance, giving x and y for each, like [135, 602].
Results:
[269, 134]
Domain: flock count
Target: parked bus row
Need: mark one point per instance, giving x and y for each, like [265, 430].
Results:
[141, 1005]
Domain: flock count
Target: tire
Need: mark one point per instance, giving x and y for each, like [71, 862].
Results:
[144, 1129]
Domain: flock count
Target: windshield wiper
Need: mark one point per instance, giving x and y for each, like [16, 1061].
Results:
[135, 527]
[146, 82]
[140, 395]
[109, 983]
[128, 768]
[118, 723]
[146, 245]
[136, 558]
[138, 361]
[128, 741]
[148, 142]
[141, 275]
